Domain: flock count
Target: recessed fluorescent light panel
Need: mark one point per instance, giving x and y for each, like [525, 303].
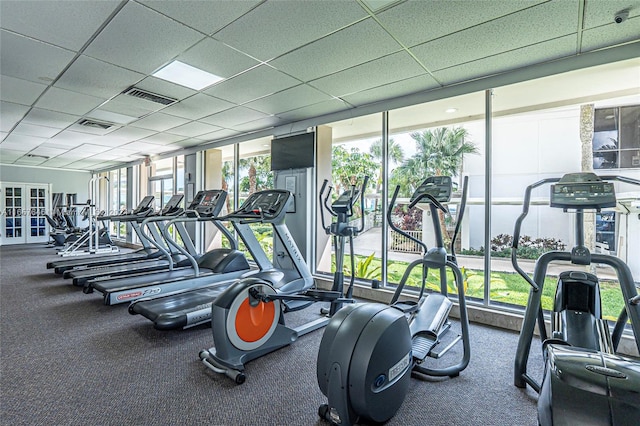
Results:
[451, 110]
[186, 75]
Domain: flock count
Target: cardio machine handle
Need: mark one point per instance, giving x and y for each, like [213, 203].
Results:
[432, 200]
[363, 188]
[395, 228]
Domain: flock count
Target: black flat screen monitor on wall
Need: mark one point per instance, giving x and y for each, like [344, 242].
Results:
[293, 152]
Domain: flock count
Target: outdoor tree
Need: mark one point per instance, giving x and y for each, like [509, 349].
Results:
[258, 176]
[439, 152]
[350, 166]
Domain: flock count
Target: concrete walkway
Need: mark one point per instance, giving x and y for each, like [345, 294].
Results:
[370, 242]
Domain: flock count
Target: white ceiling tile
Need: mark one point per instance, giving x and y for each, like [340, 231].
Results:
[605, 35]
[20, 91]
[11, 114]
[141, 147]
[351, 46]
[197, 106]
[88, 148]
[110, 117]
[30, 161]
[528, 27]
[415, 22]
[321, 108]
[49, 118]
[70, 138]
[141, 39]
[193, 129]
[286, 25]
[57, 162]
[9, 156]
[131, 106]
[287, 100]
[3, 135]
[554, 49]
[392, 90]
[68, 102]
[163, 138]
[397, 66]
[213, 56]
[34, 130]
[263, 123]
[48, 151]
[253, 84]
[63, 23]
[159, 122]
[234, 116]
[189, 142]
[21, 142]
[127, 134]
[28, 59]
[91, 76]
[598, 13]
[206, 16]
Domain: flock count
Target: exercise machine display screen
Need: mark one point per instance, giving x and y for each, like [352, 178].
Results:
[207, 203]
[584, 195]
[439, 187]
[271, 202]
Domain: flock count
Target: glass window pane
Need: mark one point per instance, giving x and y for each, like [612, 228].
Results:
[630, 128]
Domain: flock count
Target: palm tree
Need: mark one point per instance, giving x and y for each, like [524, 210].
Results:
[439, 152]
[395, 154]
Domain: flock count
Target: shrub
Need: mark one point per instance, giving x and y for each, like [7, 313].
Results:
[528, 248]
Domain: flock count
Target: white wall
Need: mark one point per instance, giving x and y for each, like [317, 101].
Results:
[69, 182]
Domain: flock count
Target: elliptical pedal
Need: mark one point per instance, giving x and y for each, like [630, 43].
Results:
[421, 346]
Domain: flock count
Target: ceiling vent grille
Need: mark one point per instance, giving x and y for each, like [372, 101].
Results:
[95, 124]
[148, 96]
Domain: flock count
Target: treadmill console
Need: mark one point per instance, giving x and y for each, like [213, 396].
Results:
[207, 203]
[268, 204]
[144, 205]
[171, 208]
[582, 191]
[439, 187]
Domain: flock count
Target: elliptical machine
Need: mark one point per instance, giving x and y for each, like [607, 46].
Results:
[368, 351]
[247, 317]
[584, 381]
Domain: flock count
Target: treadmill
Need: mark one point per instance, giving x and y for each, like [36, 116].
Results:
[154, 262]
[143, 210]
[214, 266]
[185, 309]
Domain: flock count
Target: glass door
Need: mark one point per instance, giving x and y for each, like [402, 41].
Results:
[24, 208]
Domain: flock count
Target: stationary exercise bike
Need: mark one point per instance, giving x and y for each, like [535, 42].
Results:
[247, 318]
[368, 351]
[584, 381]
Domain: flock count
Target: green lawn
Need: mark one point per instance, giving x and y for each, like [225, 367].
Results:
[506, 287]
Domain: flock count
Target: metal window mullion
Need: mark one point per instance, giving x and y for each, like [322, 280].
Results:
[487, 196]
[385, 195]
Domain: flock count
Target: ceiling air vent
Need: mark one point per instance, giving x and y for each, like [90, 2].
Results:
[148, 96]
[95, 124]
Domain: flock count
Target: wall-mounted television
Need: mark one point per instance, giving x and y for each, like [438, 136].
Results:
[293, 152]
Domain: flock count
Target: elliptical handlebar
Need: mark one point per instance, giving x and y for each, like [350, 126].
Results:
[362, 189]
[395, 228]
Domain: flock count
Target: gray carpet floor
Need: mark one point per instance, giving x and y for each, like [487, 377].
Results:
[67, 359]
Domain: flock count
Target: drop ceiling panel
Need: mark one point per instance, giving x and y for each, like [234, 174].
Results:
[21, 142]
[434, 20]
[206, 16]
[233, 116]
[125, 135]
[50, 118]
[131, 105]
[28, 59]
[197, 106]
[186, 143]
[596, 38]
[30, 161]
[287, 100]
[48, 151]
[68, 102]
[525, 28]
[392, 90]
[321, 108]
[163, 138]
[91, 76]
[110, 117]
[9, 156]
[11, 114]
[253, 84]
[394, 67]
[598, 13]
[57, 162]
[193, 129]
[351, 46]
[160, 122]
[213, 56]
[263, 123]
[141, 39]
[34, 130]
[518, 58]
[20, 91]
[71, 138]
[276, 27]
[63, 23]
